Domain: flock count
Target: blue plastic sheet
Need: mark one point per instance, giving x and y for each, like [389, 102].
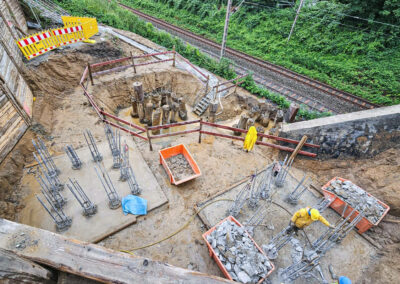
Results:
[134, 205]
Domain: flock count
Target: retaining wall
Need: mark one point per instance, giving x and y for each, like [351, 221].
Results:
[359, 134]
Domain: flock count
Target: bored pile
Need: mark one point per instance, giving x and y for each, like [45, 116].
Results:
[238, 253]
[357, 197]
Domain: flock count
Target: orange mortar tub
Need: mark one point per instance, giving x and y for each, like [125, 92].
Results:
[338, 205]
[176, 150]
[218, 261]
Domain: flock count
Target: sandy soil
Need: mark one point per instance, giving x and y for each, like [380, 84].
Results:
[61, 113]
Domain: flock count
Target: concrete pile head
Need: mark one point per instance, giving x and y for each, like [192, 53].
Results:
[238, 253]
[357, 197]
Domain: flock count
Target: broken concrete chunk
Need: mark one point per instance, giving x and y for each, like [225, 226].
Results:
[243, 277]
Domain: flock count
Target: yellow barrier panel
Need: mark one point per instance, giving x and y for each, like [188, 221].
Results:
[75, 29]
[89, 25]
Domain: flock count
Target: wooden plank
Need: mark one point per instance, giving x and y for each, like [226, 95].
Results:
[16, 269]
[6, 123]
[5, 108]
[93, 261]
[7, 116]
[4, 150]
[9, 132]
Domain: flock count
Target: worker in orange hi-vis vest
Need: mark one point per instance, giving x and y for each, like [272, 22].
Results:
[251, 138]
[304, 217]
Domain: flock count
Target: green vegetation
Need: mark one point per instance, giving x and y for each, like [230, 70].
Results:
[111, 14]
[361, 57]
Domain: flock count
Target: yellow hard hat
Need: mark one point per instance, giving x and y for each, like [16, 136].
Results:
[314, 214]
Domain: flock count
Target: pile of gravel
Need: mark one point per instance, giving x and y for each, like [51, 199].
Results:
[237, 252]
[356, 196]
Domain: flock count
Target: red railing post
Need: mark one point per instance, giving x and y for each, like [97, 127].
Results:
[90, 73]
[174, 56]
[149, 138]
[200, 128]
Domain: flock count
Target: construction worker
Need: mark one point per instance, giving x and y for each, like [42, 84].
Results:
[304, 217]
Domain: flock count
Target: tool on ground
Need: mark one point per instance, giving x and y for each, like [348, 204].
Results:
[114, 200]
[50, 192]
[46, 159]
[62, 221]
[89, 208]
[127, 172]
[73, 156]
[251, 138]
[299, 190]
[97, 157]
[114, 141]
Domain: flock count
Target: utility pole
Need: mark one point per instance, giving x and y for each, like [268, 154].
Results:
[295, 19]
[228, 14]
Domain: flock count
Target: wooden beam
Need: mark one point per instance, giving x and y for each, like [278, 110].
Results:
[17, 269]
[93, 261]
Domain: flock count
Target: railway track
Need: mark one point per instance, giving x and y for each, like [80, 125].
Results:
[356, 103]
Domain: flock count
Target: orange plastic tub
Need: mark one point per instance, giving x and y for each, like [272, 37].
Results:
[176, 150]
[338, 205]
[218, 261]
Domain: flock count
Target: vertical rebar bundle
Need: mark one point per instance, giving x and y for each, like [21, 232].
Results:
[114, 201]
[337, 234]
[295, 195]
[54, 181]
[266, 182]
[46, 159]
[62, 221]
[114, 141]
[50, 192]
[255, 193]
[89, 208]
[127, 172]
[241, 198]
[286, 165]
[97, 157]
[73, 156]
[256, 219]
[323, 204]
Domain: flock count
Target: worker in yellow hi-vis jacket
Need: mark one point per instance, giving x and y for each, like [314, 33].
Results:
[304, 217]
[251, 138]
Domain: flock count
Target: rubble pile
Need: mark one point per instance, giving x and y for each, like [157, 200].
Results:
[238, 253]
[357, 197]
[180, 167]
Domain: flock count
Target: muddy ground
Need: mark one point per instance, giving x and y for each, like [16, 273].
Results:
[61, 113]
